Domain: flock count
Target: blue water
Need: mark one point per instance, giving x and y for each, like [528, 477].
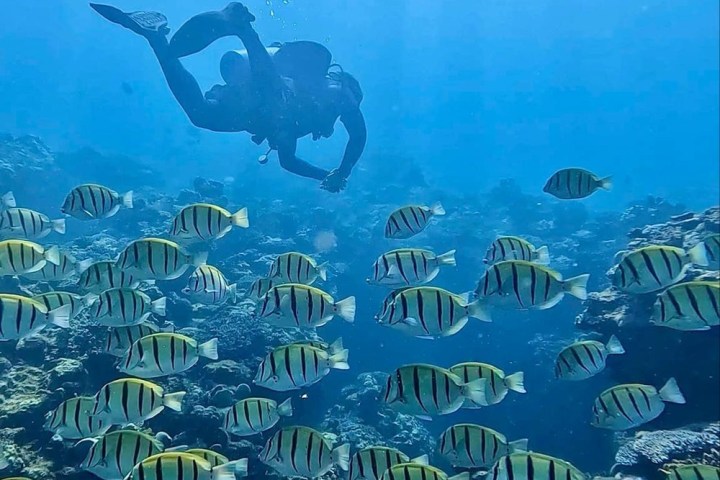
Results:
[465, 94]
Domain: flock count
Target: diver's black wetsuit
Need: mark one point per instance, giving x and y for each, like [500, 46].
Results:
[269, 106]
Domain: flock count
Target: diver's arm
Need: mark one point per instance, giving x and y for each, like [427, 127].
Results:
[354, 123]
[286, 147]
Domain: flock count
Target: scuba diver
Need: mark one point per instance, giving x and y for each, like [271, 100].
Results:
[279, 94]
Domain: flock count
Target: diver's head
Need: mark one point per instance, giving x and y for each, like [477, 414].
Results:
[235, 67]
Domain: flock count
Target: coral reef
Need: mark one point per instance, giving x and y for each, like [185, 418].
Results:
[646, 452]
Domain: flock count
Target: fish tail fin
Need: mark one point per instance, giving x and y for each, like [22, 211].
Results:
[542, 255]
[173, 401]
[285, 409]
[232, 292]
[59, 225]
[341, 456]
[519, 446]
[60, 317]
[336, 346]
[346, 309]
[437, 209]
[460, 476]
[8, 200]
[475, 391]
[83, 265]
[477, 310]
[516, 382]
[577, 286]
[89, 299]
[209, 349]
[447, 258]
[322, 271]
[339, 360]
[158, 306]
[127, 199]
[421, 460]
[670, 392]
[240, 218]
[52, 255]
[698, 255]
[228, 470]
[3, 463]
[199, 259]
[606, 183]
[614, 347]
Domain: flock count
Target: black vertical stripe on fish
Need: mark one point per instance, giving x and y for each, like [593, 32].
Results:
[416, 387]
[695, 305]
[634, 404]
[650, 266]
[303, 365]
[401, 269]
[421, 311]
[551, 470]
[141, 398]
[619, 406]
[516, 286]
[588, 350]
[533, 285]
[509, 469]
[675, 303]
[18, 317]
[308, 454]
[646, 398]
[124, 400]
[579, 361]
[663, 253]
[434, 389]
[288, 365]
[633, 270]
[156, 352]
[713, 301]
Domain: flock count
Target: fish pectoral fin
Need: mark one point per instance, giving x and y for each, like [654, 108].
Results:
[427, 418]
[413, 322]
[284, 305]
[425, 337]
[86, 212]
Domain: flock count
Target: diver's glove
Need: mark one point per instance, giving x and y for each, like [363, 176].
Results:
[334, 182]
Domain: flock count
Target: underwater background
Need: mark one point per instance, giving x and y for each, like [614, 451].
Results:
[472, 104]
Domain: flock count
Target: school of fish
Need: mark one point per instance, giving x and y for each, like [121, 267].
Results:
[518, 276]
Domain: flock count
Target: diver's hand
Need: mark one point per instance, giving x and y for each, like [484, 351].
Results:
[334, 182]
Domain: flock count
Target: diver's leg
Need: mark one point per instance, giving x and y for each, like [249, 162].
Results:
[183, 86]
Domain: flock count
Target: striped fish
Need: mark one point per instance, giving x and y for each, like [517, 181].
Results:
[157, 259]
[21, 317]
[573, 183]
[122, 307]
[524, 285]
[213, 458]
[203, 221]
[425, 390]
[497, 384]
[692, 472]
[254, 415]
[208, 285]
[515, 248]
[430, 312]
[294, 267]
[7, 201]
[534, 466]
[410, 220]
[331, 348]
[184, 466]
[416, 471]
[712, 248]
[298, 305]
[688, 306]
[90, 202]
[409, 267]
[28, 224]
[303, 452]
[120, 339]
[72, 420]
[18, 257]
[78, 303]
[162, 354]
[371, 463]
[259, 288]
[112, 456]
[62, 271]
[131, 400]
[627, 406]
[291, 367]
[653, 268]
[585, 359]
[100, 276]
[472, 446]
